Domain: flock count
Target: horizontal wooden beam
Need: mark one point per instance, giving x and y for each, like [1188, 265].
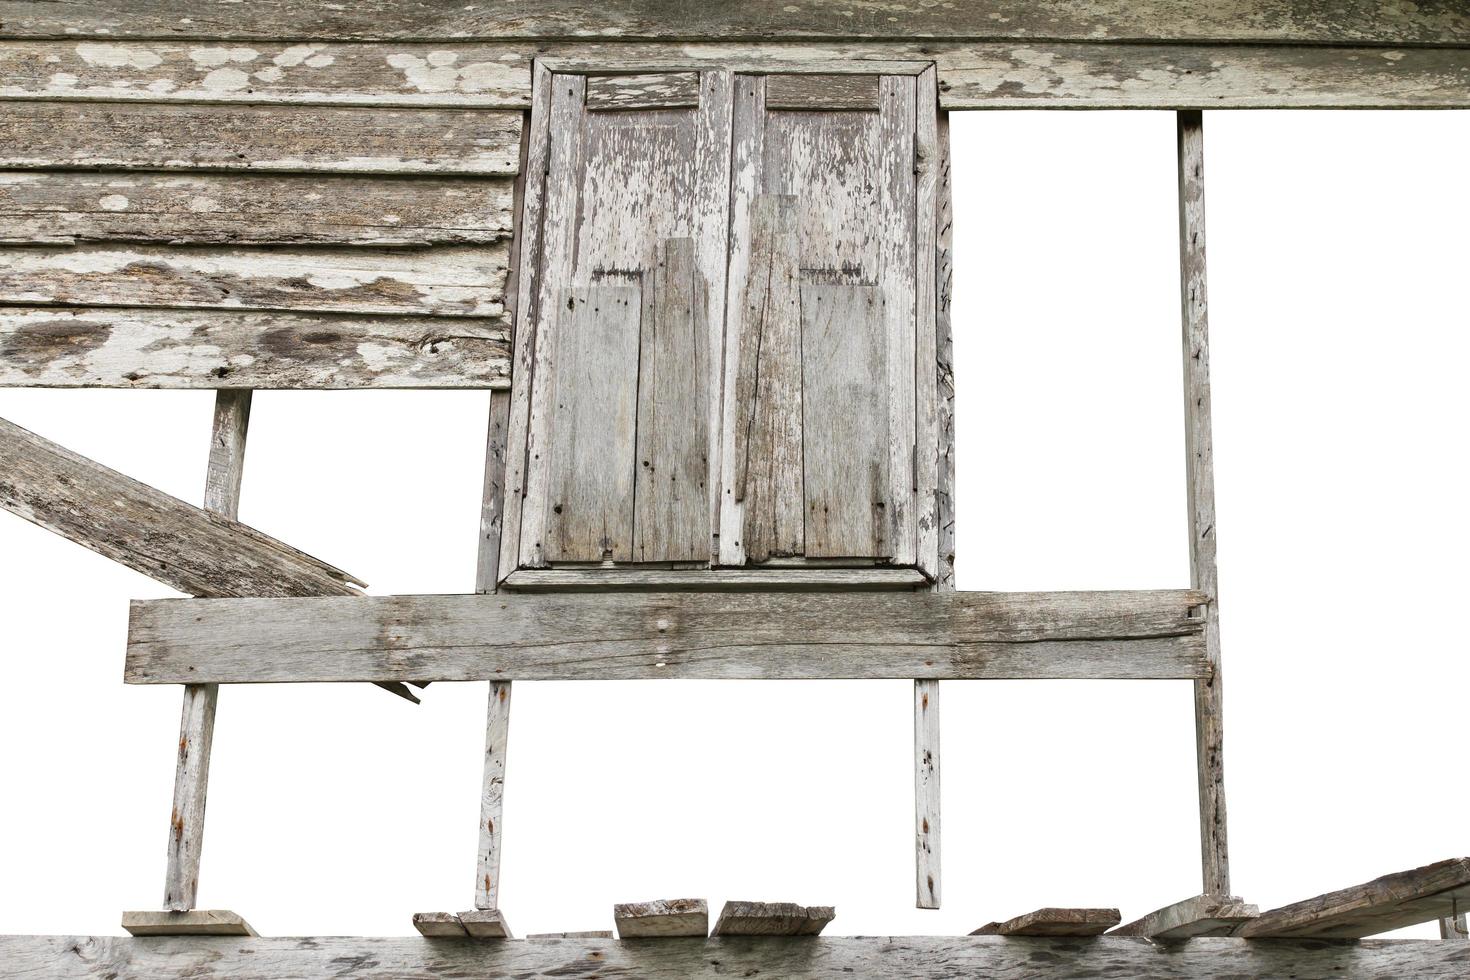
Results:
[192, 549]
[1432, 22]
[1054, 922]
[942, 635]
[111, 347]
[812, 579]
[1407, 898]
[819, 958]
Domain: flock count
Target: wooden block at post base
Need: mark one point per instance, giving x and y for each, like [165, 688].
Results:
[662, 919]
[485, 924]
[197, 922]
[1202, 915]
[772, 919]
[585, 934]
[439, 925]
[1054, 922]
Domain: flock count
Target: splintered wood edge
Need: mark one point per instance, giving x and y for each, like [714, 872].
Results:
[772, 919]
[486, 924]
[1054, 922]
[682, 917]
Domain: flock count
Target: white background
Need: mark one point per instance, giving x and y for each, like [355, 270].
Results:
[1338, 259]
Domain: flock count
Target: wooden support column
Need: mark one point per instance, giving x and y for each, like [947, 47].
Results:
[1208, 721]
[196, 729]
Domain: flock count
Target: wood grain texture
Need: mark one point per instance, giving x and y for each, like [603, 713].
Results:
[1200, 490]
[192, 550]
[657, 90]
[485, 924]
[67, 207]
[927, 838]
[812, 579]
[826, 93]
[129, 136]
[772, 919]
[844, 421]
[191, 923]
[593, 423]
[82, 347]
[581, 934]
[944, 364]
[439, 925]
[819, 958]
[671, 472]
[450, 281]
[1391, 902]
[1454, 928]
[1435, 22]
[1054, 922]
[663, 919]
[667, 635]
[927, 408]
[492, 796]
[1202, 915]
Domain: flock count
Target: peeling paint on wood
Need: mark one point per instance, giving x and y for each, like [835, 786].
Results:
[663, 919]
[660, 90]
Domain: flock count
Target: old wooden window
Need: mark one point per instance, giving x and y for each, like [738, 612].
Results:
[729, 325]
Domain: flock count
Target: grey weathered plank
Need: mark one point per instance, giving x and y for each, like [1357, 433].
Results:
[844, 425]
[668, 635]
[927, 409]
[809, 579]
[826, 93]
[439, 925]
[485, 924]
[1202, 915]
[772, 919]
[663, 919]
[594, 425]
[1054, 922]
[1391, 902]
[1454, 929]
[449, 281]
[927, 837]
[944, 363]
[492, 796]
[1301, 21]
[193, 550]
[767, 386]
[110, 347]
[1200, 490]
[819, 958]
[495, 75]
[274, 138]
[657, 90]
[191, 923]
[671, 492]
[582, 934]
[65, 207]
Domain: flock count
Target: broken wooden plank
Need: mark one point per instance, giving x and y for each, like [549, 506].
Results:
[1394, 901]
[1200, 494]
[448, 281]
[485, 924]
[584, 934]
[667, 635]
[1054, 922]
[821, 958]
[812, 579]
[656, 90]
[90, 347]
[190, 549]
[439, 925]
[772, 919]
[1202, 915]
[129, 136]
[662, 919]
[41, 207]
[822, 93]
[1024, 21]
[203, 922]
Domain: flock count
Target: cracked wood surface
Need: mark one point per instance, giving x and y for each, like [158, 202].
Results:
[1405, 898]
[668, 635]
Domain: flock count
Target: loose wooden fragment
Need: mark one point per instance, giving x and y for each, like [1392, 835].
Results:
[279, 138]
[826, 93]
[1200, 489]
[662, 90]
[1454, 928]
[88, 347]
[820, 958]
[180, 545]
[201, 922]
[448, 281]
[662, 919]
[439, 925]
[814, 579]
[667, 635]
[485, 924]
[772, 919]
[39, 207]
[1202, 915]
[1054, 922]
[1435, 891]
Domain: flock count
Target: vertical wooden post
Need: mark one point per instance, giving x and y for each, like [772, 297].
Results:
[1209, 733]
[1454, 929]
[196, 728]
